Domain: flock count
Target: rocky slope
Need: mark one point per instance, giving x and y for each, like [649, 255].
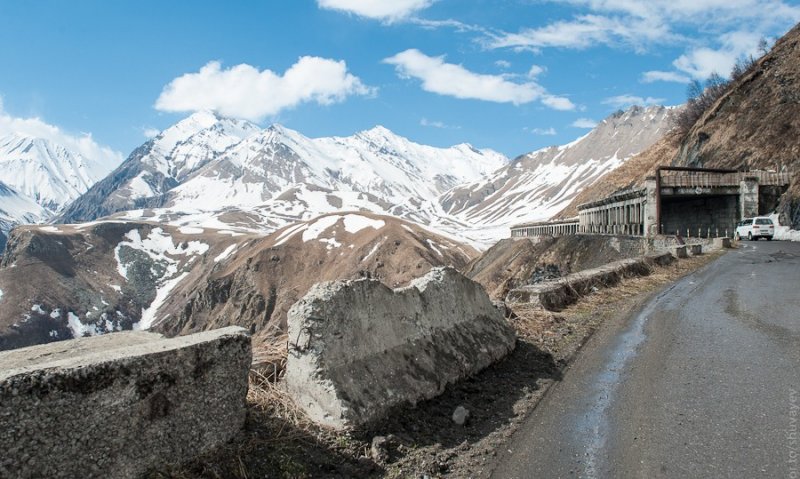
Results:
[537, 185]
[59, 282]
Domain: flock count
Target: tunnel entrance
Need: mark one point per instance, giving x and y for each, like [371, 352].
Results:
[703, 213]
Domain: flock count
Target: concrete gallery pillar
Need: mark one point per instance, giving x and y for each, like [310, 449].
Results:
[650, 219]
[748, 197]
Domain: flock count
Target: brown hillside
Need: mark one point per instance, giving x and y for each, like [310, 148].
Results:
[257, 284]
[61, 282]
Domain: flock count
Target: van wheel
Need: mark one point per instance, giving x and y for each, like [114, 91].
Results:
[749, 236]
[769, 238]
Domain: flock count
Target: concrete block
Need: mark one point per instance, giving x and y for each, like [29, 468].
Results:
[360, 348]
[121, 404]
[680, 252]
[720, 243]
[695, 249]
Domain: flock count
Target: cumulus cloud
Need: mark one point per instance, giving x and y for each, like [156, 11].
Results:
[103, 158]
[377, 9]
[626, 101]
[544, 131]
[242, 91]
[656, 75]
[587, 123]
[450, 79]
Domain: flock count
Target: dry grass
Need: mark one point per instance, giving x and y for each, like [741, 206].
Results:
[269, 358]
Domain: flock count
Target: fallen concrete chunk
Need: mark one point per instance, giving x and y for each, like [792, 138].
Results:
[120, 404]
[359, 348]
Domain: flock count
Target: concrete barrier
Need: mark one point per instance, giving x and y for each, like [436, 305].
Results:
[680, 252]
[558, 294]
[695, 249]
[120, 404]
[720, 243]
[359, 348]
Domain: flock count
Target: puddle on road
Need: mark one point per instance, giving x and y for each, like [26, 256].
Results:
[594, 423]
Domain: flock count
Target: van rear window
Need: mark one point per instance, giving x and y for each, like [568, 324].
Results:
[763, 221]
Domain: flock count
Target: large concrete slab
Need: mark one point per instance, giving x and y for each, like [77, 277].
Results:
[359, 348]
[120, 404]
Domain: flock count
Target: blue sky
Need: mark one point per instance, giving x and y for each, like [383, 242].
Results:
[512, 75]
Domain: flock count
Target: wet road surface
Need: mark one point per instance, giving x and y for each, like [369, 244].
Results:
[704, 381]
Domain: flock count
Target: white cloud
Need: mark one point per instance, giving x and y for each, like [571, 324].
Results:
[544, 131]
[702, 62]
[583, 32]
[642, 24]
[535, 71]
[437, 124]
[626, 101]
[456, 81]
[386, 10]
[710, 13]
[558, 103]
[150, 132]
[103, 158]
[242, 91]
[503, 64]
[584, 123]
[655, 75]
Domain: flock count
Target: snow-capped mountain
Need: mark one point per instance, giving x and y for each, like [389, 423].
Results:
[159, 165]
[375, 162]
[38, 179]
[15, 209]
[45, 172]
[538, 185]
[208, 171]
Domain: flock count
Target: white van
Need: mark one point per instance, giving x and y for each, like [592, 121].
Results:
[755, 228]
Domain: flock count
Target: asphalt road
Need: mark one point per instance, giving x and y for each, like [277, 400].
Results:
[704, 381]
